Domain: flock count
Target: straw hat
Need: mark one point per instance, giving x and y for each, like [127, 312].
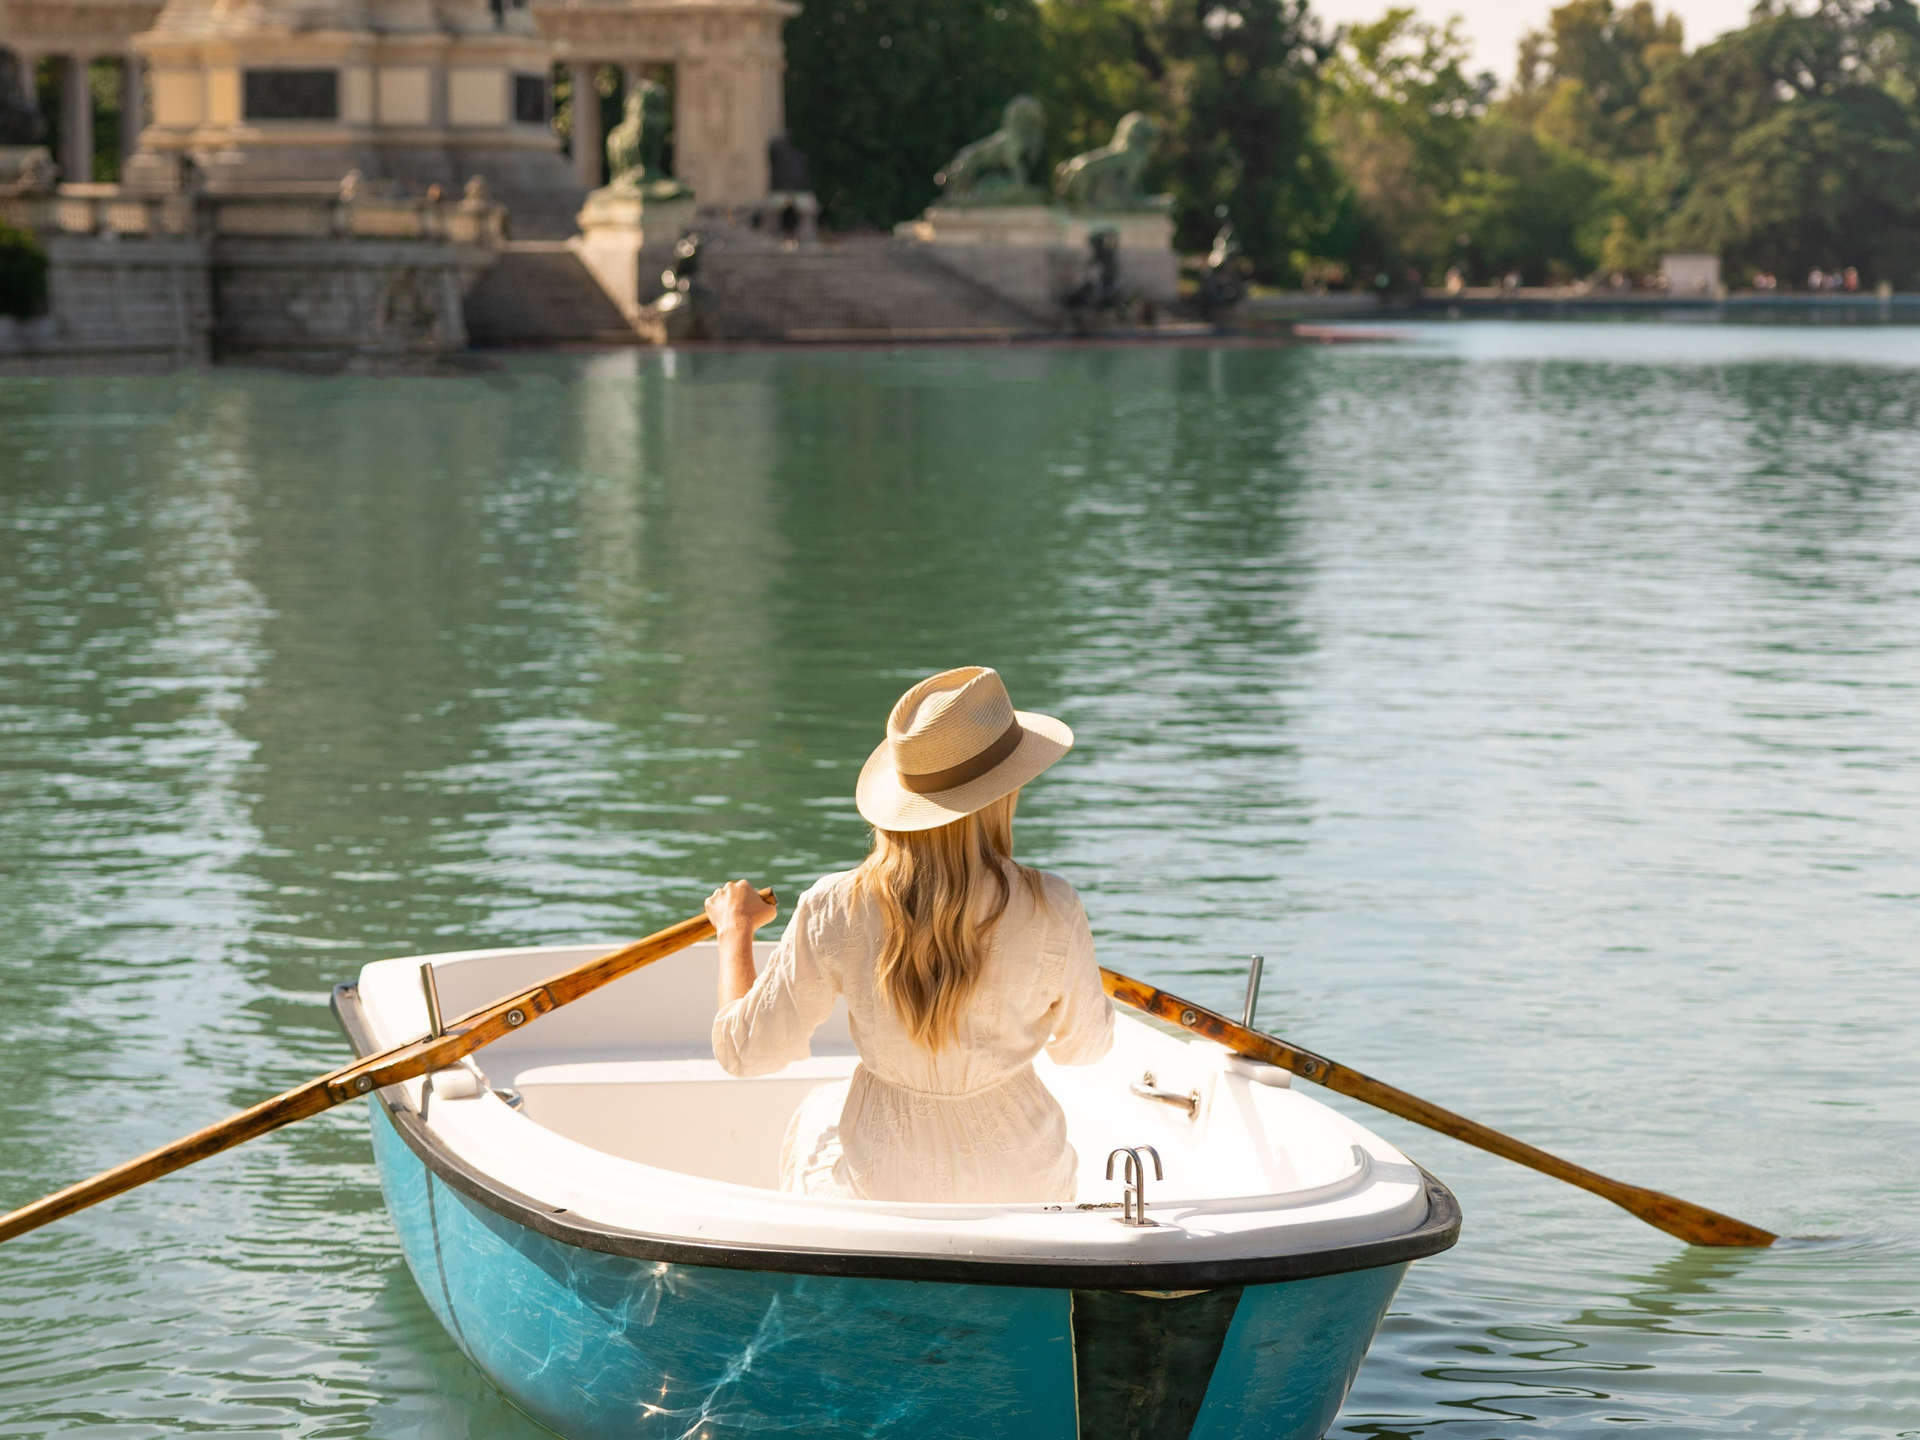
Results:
[954, 745]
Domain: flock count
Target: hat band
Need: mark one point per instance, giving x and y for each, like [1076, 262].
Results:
[967, 770]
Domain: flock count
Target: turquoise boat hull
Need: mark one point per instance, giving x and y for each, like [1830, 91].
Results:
[599, 1345]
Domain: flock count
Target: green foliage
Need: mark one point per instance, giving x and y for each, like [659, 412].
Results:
[1240, 101]
[1102, 60]
[1795, 141]
[1585, 81]
[23, 275]
[1232, 85]
[1526, 205]
[1397, 115]
[1790, 144]
[881, 93]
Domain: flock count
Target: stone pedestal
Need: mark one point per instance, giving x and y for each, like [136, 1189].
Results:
[626, 239]
[1033, 254]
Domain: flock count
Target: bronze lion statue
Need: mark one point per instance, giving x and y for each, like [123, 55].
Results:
[636, 147]
[995, 170]
[1109, 178]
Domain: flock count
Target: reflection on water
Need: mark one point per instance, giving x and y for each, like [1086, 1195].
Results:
[1541, 700]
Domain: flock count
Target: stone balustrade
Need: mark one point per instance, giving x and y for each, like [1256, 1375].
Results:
[102, 210]
[312, 269]
[110, 210]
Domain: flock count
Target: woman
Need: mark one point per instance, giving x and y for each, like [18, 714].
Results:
[958, 966]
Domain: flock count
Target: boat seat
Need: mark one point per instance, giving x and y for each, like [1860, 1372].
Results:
[731, 1128]
[722, 1126]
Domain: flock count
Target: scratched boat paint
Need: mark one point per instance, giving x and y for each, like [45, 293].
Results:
[1541, 700]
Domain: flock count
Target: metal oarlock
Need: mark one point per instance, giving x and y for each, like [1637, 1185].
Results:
[436, 1027]
[1255, 964]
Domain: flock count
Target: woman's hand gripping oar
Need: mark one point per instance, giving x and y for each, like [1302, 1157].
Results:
[1693, 1223]
[403, 1062]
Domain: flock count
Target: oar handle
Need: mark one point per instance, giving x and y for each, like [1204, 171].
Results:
[1693, 1223]
[469, 1033]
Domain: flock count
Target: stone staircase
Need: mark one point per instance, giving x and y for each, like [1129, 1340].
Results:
[852, 288]
[538, 293]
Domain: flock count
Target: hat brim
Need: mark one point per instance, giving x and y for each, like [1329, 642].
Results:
[888, 805]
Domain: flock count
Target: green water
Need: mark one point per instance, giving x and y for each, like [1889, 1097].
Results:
[1544, 701]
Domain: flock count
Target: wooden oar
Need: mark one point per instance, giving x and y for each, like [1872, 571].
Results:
[1693, 1223]
[403, 1062]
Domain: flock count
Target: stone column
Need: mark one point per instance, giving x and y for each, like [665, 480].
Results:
[29, 87]
[587, 140]
[689, 132]
[133, 103]
[76, 122]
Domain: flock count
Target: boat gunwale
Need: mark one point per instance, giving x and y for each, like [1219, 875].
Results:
[1436, 1233]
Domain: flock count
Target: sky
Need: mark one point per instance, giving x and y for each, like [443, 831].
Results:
[1495, 26]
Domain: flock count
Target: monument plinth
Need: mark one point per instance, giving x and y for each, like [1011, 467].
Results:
[992, 225]
[630, 225]
[1035, 254]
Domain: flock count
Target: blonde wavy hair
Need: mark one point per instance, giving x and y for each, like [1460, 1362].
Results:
[926, 883]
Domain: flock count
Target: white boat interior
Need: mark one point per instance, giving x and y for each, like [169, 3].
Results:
[614, 1109]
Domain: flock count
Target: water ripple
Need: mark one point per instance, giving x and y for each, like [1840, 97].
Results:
[1542, 701]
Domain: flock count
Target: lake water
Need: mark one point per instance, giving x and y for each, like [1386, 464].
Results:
[1543, 701]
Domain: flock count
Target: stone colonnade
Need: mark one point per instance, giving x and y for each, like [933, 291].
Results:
[729, 77]
[727, 59]
[73, 34]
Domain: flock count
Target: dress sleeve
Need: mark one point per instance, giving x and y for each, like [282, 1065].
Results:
[1082, 1015]
[770, 1026]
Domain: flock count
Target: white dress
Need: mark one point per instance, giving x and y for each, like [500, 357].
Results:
[969, 1122]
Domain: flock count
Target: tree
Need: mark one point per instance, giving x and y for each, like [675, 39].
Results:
[1586, 78]
[1793, 142]
[23, 275]
[1579, 121]
[1102, 61]
[1231, 85]
[1526, 204]
[1239, 93]
[1398, 111]
[881, 93]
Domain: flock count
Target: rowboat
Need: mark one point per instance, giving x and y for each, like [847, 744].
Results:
[590, 1207]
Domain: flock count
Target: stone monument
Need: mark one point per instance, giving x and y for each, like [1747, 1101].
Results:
[289, 194]
[994, 226]
[631, 224]
[409, 95]
[1101, 190]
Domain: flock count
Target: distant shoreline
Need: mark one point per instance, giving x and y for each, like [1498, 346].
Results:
[1740, 305]
[1557, 304]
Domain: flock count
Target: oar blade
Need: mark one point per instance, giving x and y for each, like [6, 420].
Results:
[1695, 1224]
